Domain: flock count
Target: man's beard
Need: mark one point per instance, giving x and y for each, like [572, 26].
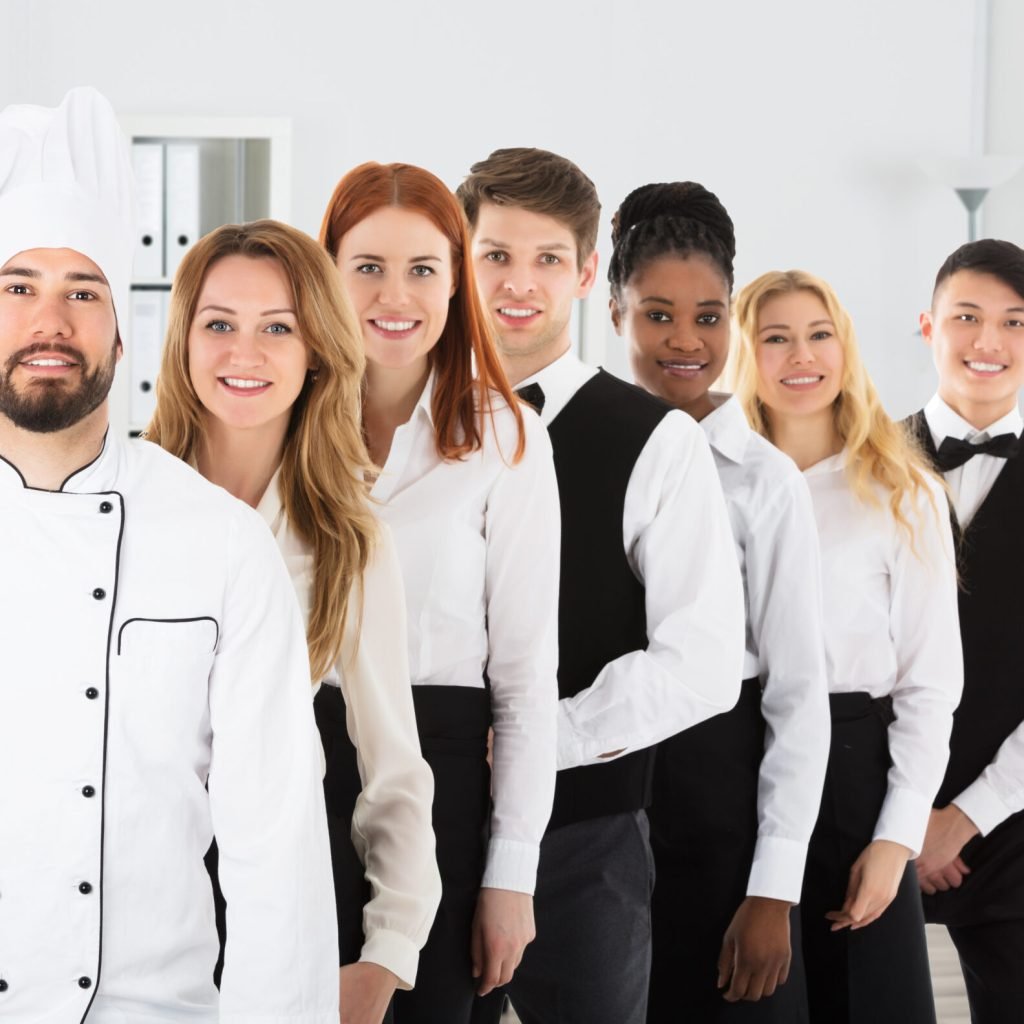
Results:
[46, 406]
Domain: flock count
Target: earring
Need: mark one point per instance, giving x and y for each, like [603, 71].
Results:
[314, 376]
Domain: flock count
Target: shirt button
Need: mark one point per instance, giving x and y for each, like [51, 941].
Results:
[99, 593]
[84, 982]
[92, 693]
[3, 985]
[88, 791]
[106, 507]
[85, 888]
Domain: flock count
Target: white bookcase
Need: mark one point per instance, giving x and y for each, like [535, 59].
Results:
[192, 174]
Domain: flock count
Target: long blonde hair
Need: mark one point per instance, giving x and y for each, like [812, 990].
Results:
[324, 461]
[880, 451]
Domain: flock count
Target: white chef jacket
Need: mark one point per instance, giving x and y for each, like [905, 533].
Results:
[391, 822]
[998, 791]
[479, 540]
[155, 693]
[676, 537]
[777, 546]
[892, 628]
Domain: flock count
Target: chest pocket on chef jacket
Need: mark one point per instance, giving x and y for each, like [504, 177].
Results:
[165, 665]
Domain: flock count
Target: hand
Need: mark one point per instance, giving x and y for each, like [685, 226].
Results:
[502, 928]
[874, 881]
[365, 992]
[756, 950]
[939, 866]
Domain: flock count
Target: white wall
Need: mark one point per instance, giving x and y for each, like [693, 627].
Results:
[806, 117]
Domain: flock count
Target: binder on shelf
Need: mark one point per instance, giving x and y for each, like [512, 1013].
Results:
[182, 196]
[149, 318]
[148, 165]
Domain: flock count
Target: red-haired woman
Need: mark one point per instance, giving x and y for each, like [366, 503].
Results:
[467, 486]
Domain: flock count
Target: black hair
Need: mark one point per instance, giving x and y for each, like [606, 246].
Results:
[669, 219]
[1002, 260]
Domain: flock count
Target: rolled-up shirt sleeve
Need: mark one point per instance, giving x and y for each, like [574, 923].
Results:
[679, 542]
[266, 799]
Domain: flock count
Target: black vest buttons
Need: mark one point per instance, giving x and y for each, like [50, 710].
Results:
[88, 791]
[99, 593]
[92, 693]
[85, 982]
[85, 888]
[105, 507]
[3, 985]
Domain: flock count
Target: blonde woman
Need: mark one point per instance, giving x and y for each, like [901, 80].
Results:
[891, 639]
[259, 388]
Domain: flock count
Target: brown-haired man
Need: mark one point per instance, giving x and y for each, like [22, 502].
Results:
[651, 606]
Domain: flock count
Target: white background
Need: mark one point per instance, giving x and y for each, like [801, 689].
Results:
[807, 117]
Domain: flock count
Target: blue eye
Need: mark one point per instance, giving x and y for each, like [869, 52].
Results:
[821, 335]
[219, 326]
[369, 268]
[422, 271]
[278, 329]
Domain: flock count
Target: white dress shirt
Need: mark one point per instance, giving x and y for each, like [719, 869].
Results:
[478, 540]
[391, 823]
[676, 536]
[777, 546]
[155, 693]
[999, 791]
[971, 482]
[892, 627]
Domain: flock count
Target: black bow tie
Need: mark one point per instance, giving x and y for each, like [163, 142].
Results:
[532, 394]
[953, 452]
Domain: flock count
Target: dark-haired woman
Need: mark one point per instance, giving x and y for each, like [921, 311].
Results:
[735, 798]
[467, 485]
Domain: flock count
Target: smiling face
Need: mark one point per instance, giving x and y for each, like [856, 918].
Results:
[58, 346]
[799, 355]
[528, 275]
[674, 315]
[396, 266]
[976, 331]
[247, 359]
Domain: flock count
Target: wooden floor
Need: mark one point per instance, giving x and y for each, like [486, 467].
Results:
[950, 1000]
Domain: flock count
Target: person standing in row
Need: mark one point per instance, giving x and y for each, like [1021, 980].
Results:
[891, 641]
[260, 389]
[971, 867]
[735, 798]
[146, 705]
[468, 488]
[650, 616]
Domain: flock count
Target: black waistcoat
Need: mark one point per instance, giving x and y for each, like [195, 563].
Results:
[990, 557]
[597, 439]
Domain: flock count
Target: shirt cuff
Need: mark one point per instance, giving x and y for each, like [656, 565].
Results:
[980, 802]
[903, 819]
[395, 951]
[778, 869]
[511, 865]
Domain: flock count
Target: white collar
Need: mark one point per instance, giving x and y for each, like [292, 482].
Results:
[559, 381]
[727, 429]
[943, 422]
[95, 477]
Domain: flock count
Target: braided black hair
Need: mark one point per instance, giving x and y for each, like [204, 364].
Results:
[669, 219]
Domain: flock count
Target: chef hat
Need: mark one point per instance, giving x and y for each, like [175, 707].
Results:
[66, 183]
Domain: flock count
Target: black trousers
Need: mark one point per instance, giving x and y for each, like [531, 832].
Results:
[880, 974]
[590, 962]
[453, 722]
[985, 918]
[703, 832]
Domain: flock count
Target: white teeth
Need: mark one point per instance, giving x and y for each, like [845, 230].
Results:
[49, 362]
[241, 382]
[985, 367]
[801, 380]
[683, 366]
[518, 314]
[395, 325]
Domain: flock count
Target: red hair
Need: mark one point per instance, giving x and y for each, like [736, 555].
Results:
[460, 404]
